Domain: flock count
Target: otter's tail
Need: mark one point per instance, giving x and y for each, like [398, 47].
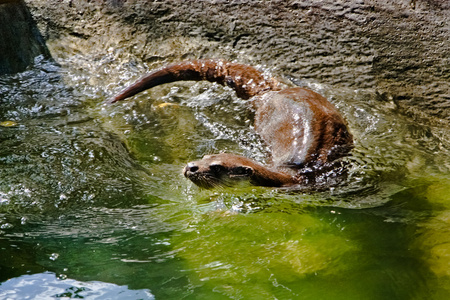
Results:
[245, 80]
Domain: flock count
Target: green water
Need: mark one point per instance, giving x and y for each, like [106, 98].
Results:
[92, 198]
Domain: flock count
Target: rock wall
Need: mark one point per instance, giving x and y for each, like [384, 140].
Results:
[20, 40]
[399, 48]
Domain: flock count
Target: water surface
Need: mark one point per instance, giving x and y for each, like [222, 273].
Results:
[92, 199]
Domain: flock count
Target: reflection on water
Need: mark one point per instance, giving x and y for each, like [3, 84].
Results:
[95, 193]
[48, 286]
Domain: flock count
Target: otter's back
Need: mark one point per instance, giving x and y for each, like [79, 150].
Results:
[301, 127]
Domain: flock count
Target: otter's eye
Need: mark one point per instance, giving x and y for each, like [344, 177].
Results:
[242, 171]
[217, 168]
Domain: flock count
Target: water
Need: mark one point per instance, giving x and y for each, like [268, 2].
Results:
[93, 203]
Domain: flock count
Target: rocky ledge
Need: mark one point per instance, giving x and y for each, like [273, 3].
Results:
[401, 49]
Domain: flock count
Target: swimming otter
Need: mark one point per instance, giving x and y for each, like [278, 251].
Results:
[226, 169]
[303, 130]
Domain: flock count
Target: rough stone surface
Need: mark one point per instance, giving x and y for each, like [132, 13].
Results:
[20, 40]
[400, 49]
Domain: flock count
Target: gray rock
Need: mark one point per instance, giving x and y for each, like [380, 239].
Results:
[400, 49]
[20, 40]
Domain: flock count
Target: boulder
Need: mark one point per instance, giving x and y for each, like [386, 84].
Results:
[400, 49]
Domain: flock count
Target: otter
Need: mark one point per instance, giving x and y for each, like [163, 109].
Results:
[225, 169]
[305, 133]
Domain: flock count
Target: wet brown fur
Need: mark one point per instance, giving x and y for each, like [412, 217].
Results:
[302, 129]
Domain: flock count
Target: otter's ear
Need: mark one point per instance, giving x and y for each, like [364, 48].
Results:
[243, 171]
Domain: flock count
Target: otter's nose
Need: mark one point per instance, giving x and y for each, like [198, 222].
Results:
[190, 169]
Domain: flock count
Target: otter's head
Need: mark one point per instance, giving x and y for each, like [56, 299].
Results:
[219, 170]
